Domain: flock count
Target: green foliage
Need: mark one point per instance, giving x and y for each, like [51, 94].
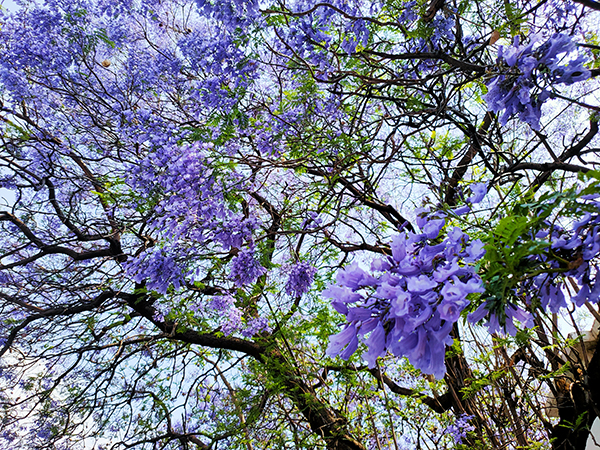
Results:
[512, 240]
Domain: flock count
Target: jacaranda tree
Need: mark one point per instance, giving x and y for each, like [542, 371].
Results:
[343, 225]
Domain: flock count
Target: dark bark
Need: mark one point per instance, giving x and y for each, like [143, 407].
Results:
[323, 420]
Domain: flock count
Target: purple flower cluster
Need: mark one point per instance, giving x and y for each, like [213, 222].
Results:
[192, 185]
[255, 326]
[358, 34]
[564, 271]
[529, 72]
[300, 279]
[193, 208]
[231, 318]
[160, 270]
[310, 35]
[461, 427]
[502, 319]
[232, 14]
[412, 299]
[570, 259]
[245, 268]
[409, 13]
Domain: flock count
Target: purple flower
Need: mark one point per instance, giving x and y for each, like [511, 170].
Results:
[381, 265]
[358, 314]
[376, 344]
[514, 312]
[441, 274]
[420, 284]
[341, 294]
[433, 227]
[582, 296]
[346, 337]
[478, 191]
[245, 269]
[421, 215]
[475, 251]
[462, 210]
[398, 246]
[255, 326]
[399, 305]
[450, 310]
[301, 277]
[233, 321]
[354, 277]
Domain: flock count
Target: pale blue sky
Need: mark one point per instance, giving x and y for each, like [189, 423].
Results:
[8, 4]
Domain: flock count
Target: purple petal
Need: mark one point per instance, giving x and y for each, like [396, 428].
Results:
[420, 284]
[376, 344]
[433, 228]
[478, 190]
[340, 340]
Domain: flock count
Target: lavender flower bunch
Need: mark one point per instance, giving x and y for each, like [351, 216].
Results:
[571, 256]
[301, 276]
[528, 75]
[564, 271]
[192, 214]
[410, 300]
[459, 430]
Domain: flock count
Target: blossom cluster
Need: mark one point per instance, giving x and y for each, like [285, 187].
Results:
[193, 209]
[459, 430]
[228, 317]
[245, 268]
[310, 36]
[563, 272]
[300, 279]
[569, 260]
[159, 269]
[410, 301]
[528, 75]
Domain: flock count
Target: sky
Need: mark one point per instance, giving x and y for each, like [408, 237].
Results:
[8, 4]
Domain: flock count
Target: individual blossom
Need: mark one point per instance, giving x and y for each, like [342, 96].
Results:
[354, 277]
[345, 338]
[478, 191]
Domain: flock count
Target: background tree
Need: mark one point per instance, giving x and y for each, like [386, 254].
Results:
[205, 203]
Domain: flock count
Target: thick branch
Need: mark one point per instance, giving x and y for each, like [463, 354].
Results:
[438, 404]
[429, 55]
[589, 4]
[548, 167]
[112, 251]
[53, 312]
